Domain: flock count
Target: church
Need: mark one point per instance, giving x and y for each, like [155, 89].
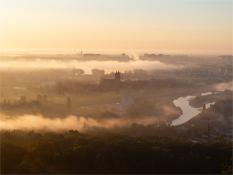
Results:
[112, 82]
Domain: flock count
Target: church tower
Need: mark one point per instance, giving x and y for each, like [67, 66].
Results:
[118, 76]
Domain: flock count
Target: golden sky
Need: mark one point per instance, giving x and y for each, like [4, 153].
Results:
[195, 26]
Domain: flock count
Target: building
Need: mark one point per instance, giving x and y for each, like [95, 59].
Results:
[117, 76]
[112, 83]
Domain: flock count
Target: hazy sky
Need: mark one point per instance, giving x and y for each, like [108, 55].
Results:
[202, 26]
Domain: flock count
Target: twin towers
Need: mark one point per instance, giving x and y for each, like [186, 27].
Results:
[117, 76]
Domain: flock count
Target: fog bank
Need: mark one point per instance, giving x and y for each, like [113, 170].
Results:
[41, 123]
[87, 66]
[224, 86]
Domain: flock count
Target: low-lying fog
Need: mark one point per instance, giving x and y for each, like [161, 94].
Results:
[87, 66]
[80, 123]
[224, 86]
[42, 123]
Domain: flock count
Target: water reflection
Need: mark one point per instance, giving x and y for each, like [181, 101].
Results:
[188, 112]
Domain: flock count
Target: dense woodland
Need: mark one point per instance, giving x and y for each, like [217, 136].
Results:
[72, 152]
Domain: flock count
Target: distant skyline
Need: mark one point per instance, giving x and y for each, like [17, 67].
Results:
[189, 26]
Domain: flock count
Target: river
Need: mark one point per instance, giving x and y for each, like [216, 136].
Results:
[188, 111]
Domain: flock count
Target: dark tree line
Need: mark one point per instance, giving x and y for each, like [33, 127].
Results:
[72, 152]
